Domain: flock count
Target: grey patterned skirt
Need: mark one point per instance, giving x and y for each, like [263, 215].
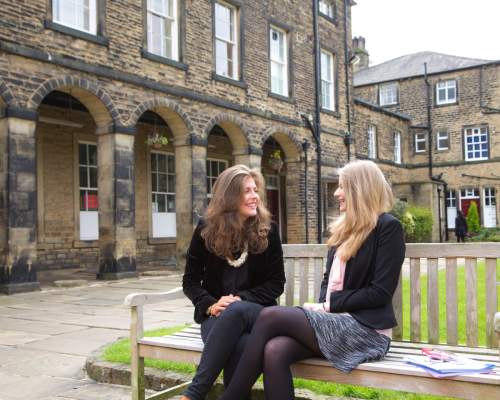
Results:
[344, 341]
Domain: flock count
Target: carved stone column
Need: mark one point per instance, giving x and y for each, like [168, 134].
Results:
[18, 202]
[116, 185]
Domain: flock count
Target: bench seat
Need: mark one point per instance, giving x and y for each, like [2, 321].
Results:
[390, 373]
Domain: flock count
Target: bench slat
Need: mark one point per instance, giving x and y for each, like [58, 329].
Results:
[319, 265]
[290, 281]
[491, 301]
[415, 300]
[471, 301]
[303, 265]
[432, 300]
[451, 301]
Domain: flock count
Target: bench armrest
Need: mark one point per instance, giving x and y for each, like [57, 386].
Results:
[139, 299]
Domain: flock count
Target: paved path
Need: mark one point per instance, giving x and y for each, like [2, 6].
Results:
[46, 336]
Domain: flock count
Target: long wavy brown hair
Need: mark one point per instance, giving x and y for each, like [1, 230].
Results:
[367, 195]
[225, 234]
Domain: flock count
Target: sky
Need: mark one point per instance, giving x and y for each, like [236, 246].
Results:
[393, 28]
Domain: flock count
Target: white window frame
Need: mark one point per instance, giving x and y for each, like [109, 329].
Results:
[444, 87]
[473, 146]
[279, 61]
[372, 141]
[442, 136]
[388, 93]
[163, 222]
[74, 6]
[327, 80]
[420, 138]
[397, 147]
[164, 36]
[222, 62]
[211, 178]
[326, 8]
[88, 219]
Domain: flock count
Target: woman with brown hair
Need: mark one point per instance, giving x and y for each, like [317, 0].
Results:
[352, 322]
[234, 269]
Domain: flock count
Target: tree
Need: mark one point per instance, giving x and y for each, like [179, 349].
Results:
[473, 218]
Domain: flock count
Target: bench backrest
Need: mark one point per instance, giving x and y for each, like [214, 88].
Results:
[305, 264]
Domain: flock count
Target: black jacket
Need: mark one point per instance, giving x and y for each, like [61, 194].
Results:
[371, 276]
[203, 277]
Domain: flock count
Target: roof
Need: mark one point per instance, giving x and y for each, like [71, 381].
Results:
[376, 107]
[413, 65]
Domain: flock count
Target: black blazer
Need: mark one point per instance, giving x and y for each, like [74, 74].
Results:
[203, 277]
[371, 276]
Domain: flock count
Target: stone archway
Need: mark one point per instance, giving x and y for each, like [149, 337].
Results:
[94, 98]
[164, 206]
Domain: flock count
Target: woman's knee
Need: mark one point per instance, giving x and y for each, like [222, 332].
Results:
[276, 352]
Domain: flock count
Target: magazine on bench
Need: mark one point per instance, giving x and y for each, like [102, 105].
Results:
[449, 365]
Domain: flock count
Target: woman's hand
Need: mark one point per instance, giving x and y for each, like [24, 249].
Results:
[222, 304]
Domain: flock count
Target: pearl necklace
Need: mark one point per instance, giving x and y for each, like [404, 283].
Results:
[240, 260]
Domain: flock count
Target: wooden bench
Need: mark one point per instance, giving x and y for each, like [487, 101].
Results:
[304, 266]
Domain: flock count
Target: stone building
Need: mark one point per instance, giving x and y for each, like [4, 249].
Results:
[434, 127]
[82, 88]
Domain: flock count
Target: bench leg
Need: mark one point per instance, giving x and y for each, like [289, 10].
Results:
[137, 378]
[137, 362]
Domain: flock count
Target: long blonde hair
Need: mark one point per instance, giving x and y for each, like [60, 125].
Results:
[367, 194]
[224, 232]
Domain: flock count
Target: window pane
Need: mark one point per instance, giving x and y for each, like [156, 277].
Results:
[93, 177]
[92, 154]
[83, 177]
[162, 163]
[171, 183]
[162, 183]
[170, 203]
[171, 164]
[222, 22]
[221, 61]
[154, 182]
[161, 206]
[82, 152]
[92, 200]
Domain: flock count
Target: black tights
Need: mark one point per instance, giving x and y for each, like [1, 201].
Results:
[280, 337]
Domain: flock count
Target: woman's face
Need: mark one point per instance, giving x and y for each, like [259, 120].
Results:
[339, 194]
[250, 199]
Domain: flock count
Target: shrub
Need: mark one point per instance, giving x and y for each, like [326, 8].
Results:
[487, 235]
[423, 221]
[400, 211]
[472, 218]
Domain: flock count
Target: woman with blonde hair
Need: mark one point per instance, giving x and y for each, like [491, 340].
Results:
[234, 269]
[352, 321]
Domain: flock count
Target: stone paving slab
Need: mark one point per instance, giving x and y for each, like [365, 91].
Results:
[10, 355]
[14, 338]
[52, 364]
[43, 328]
[34, 388]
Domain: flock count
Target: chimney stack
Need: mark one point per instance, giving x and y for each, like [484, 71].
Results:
[358, 48]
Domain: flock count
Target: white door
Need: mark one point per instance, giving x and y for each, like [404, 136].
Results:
[489, 206]
[451, 208]
[163, 195]
[89, 207]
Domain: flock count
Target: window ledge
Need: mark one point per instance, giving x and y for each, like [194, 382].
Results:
[389, 105]
[229, 81]
[81, 244]
[281, 97]
[333, 113]
[446, 104]
[97, 39]
[332, 20]
[159, 241]
[164, 60]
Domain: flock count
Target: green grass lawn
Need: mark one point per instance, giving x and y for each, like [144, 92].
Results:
[120, 350]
